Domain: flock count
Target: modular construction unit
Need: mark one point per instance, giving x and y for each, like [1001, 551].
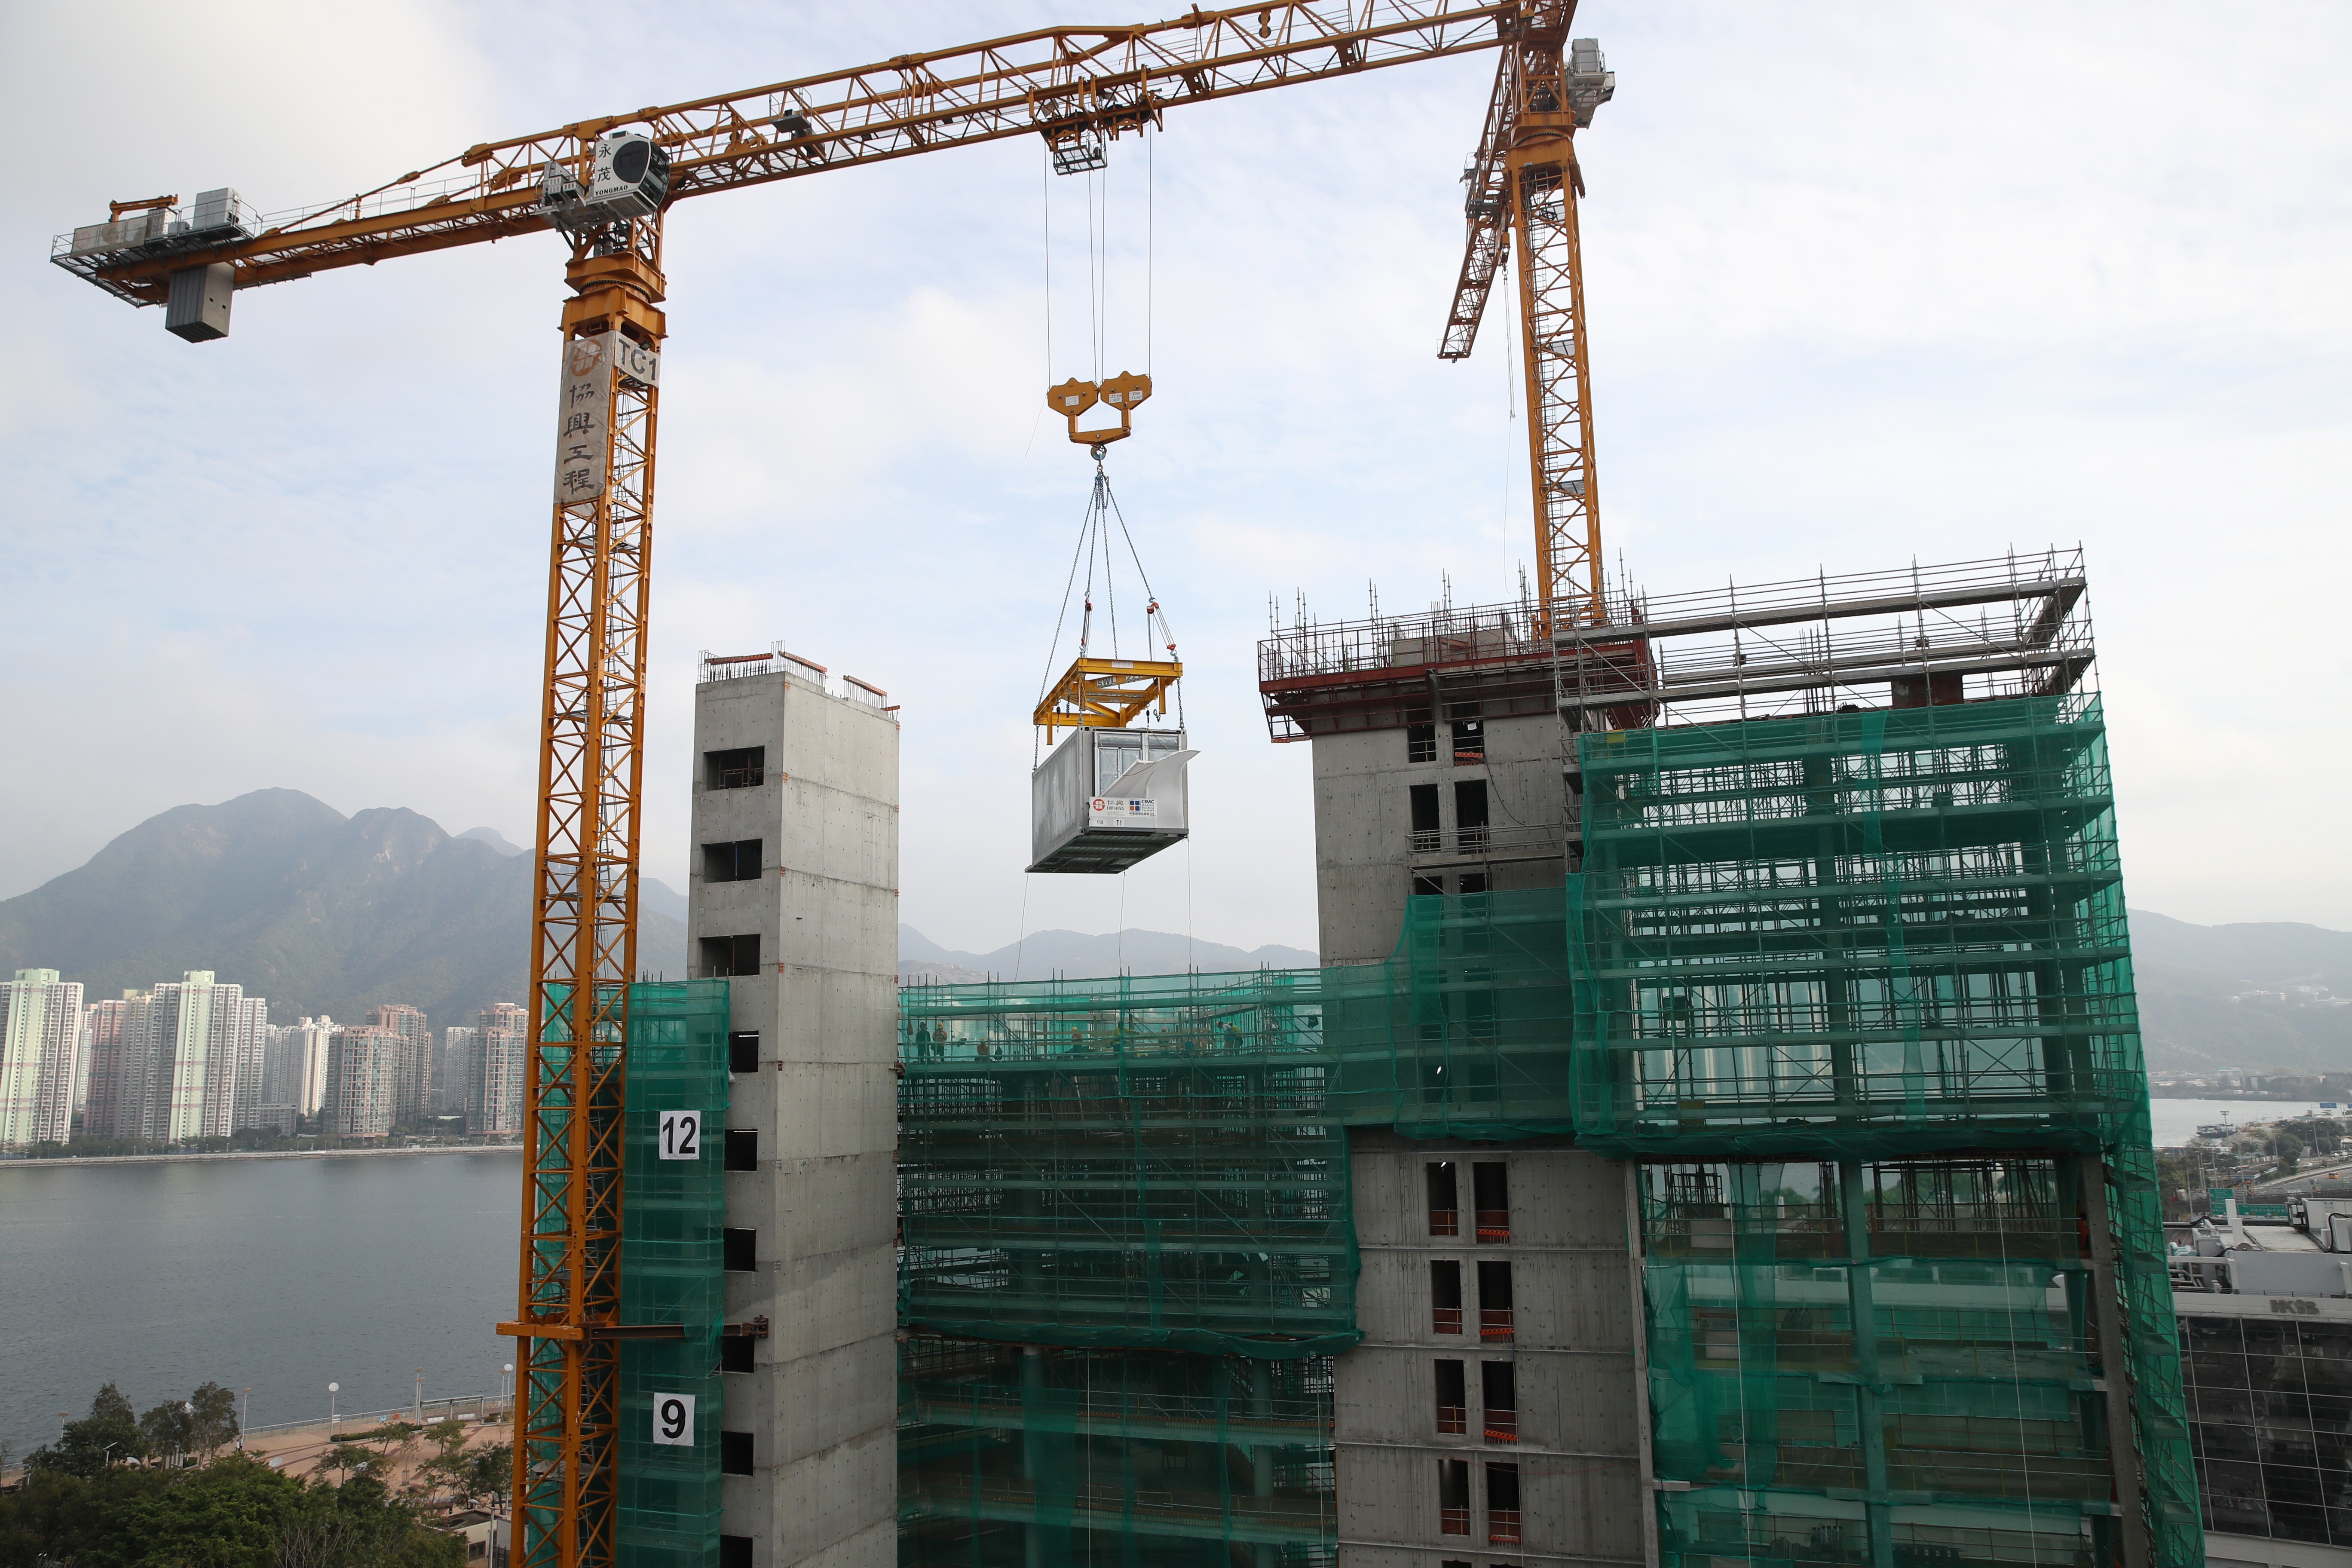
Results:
[1719, 1136]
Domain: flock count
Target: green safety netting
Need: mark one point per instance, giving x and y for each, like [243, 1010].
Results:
[672, 1271]
[1139, 1162]
[1869, 933]
[1463, 1031]
[1890, 944]
[1045, 1457]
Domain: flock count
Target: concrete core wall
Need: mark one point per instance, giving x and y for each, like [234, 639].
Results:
[1573, 1345]
[820, 1399]
[1366, 858]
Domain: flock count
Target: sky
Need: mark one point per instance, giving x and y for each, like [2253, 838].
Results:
[1867, 284]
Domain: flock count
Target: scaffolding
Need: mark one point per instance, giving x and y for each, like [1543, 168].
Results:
[1013, 1456]
[1876, 965]
[1852, 988]
[672, 1266]
[1137, 1162]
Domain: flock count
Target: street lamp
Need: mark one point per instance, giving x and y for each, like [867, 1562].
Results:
[420, 1396]
[505, 1385]
[244, 1419]
[332, 1389]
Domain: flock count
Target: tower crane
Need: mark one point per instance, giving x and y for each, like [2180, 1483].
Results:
[606, 183]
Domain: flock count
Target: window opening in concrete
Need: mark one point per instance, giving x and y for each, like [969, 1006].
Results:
[1491, 1196]
[1424, 817]
[1428, 886]
[745, 767]
[734, 1453]
[1444, 1199]
[1444, 1296]
[1452, 1409]
[1419, 742]
[1454, 1497]
[736, 861]
[1474, 882]
[1470, 813]
[1502, 1505]
[742, 1148]
[1498, 1392]
[743, 1249]
[1469, 739]
[743, 1052]
[726, 955]
[1494, 1301]
[735, 1352]
[734, 1551]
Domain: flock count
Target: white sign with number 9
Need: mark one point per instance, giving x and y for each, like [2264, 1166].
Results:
[681, 1135]
[674, 1420]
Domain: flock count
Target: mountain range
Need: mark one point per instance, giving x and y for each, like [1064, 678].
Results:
[318, 912]
[1079, 956]
[326, 914]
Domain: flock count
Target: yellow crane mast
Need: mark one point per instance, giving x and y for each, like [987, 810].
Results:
[1523, 185]
[606, 183]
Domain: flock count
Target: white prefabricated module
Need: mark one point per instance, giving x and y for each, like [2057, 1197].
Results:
[1104, 799]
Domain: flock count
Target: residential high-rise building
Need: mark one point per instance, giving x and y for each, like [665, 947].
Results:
[456, 1073]
[413, 1090]
[118, 1063]
[40, 1035]
[362, 1086]
[203, 1055]
[498, 1051]
[295, 1073]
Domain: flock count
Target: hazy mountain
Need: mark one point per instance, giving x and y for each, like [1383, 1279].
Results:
[2227, 996]
[658, 897]
[1083, 957]
[494, 838]
[295, 902]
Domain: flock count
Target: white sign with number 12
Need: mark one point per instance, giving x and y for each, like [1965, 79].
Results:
[681, 1135]
[674, 1420]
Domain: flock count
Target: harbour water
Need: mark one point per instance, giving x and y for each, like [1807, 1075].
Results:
[279, 1276]
[283, 1275]
[2175, 1121]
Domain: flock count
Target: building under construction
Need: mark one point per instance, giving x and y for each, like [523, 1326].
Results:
[1717, 1132]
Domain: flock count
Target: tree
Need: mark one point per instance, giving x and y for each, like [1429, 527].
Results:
[489, 1469]
[169, 1428]
[108, 1434]
[214, 1422]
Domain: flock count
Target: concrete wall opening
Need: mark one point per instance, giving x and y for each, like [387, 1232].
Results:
[1498, 1396]
[1445, 1198]
[1453, 1398]
[1444, 1296]
[1470, 813]
[743, 1052]
[1494, 1301]
[730, 955]
[743, 767]
[1491, 1195]
[1454, 1497]
[738, 860]
[1425, 816]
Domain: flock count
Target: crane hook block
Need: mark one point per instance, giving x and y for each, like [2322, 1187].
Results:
[1122, 392]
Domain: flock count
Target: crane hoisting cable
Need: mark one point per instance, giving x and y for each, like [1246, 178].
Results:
[1113, 793]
